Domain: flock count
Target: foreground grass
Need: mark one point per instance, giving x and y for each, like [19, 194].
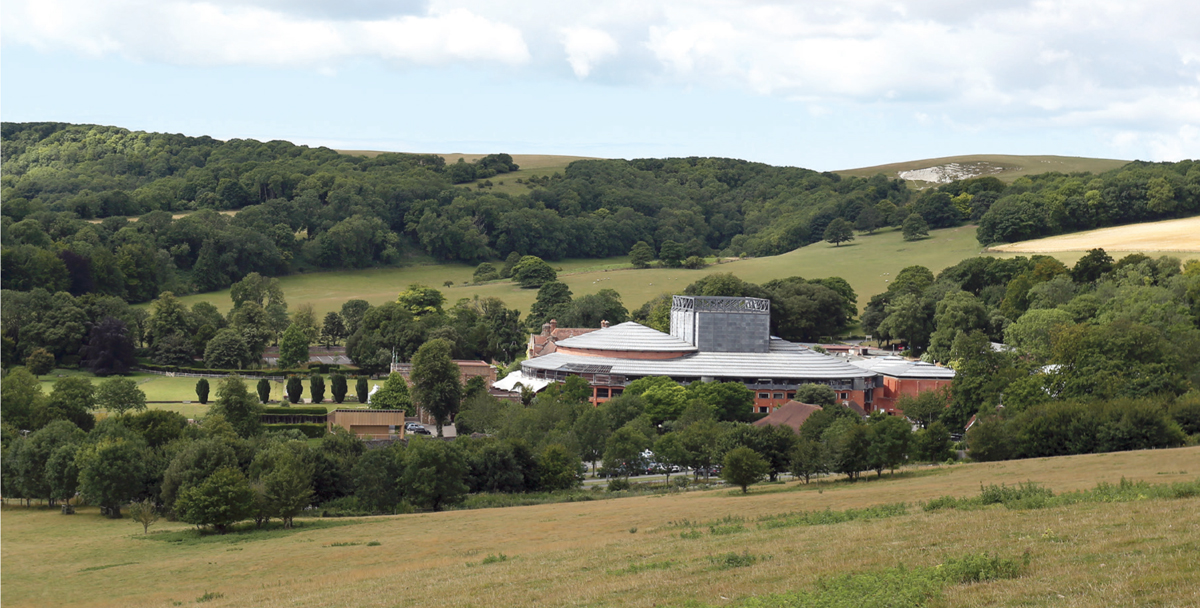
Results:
[629, 551]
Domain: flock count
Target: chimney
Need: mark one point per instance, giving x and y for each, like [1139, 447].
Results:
[545, 329]
[603, 324]
[553, 325]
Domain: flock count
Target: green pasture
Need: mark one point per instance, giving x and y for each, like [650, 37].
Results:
[868, 263]
[1011, 166]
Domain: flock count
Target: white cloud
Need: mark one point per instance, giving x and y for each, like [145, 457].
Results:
[1120, 66]
[202, 33]
[586, 47]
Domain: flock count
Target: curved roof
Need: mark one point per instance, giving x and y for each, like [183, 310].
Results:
[628, 336]
[784, 360]
[899, 367]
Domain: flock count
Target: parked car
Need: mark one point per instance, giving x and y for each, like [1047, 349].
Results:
[417, 429]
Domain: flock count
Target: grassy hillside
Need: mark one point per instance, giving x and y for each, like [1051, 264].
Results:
[638, 551]
[1003, 166]
[867, 263]
[1175, 236]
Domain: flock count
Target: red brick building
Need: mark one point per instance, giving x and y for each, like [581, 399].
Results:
[899, 376]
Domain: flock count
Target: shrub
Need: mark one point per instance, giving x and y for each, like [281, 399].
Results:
[617, 484]
[729, 560]
[312, 431]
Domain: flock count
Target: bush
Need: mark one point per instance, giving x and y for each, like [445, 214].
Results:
[310, 430]
[294, 411]
[617, 484]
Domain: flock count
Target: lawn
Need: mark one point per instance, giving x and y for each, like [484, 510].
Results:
[868, 263]
[633, 551]
[179, 393]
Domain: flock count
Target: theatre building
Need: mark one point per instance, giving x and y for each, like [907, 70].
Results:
[712, 339]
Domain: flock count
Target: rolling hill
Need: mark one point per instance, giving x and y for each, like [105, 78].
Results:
[1005, 167]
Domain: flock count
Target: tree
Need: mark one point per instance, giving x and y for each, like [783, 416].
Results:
[158, 427]
[194, 463]
[294, 389]
[286, 476]
[202, 391]
[808, 459]
[227, 350]
[558, 468]
[111, 473]
[641, 255]
[925, 407]
[360, 389]
[743, 467]
[591, 431]
[433, 473]
[30, 457]
[701, 440]
[238, 407]
[887, 438]
[485, 272]
[437, 387]
[72, 399]
[120, 395]
[839, 231]
[914, 227]
[109, 349]
[20, 398]
[264, 390]
[868, 220]
[623, 451]
[671, 254]
[816, 394]
[552, 301]
[933, 444]
[144, 512]
[393, 395]
[849, 446]
[333, 330]
[39, 362]
[338, 387]
[352, 314]
[669, 451]
[316, 388]
[221, 500]
[532, 272]
[293, 349]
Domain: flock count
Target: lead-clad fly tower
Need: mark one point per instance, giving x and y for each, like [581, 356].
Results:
[722, 324]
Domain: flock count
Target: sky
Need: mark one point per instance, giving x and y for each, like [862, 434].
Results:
[823, 85]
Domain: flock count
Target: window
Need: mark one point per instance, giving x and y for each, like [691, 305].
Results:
[777, 396]
[602, 392]
[617, 391]
[842, 395]
[762, 409]
[791, 395]
[764, 395]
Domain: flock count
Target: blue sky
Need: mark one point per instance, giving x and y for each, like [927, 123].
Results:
[818, 85]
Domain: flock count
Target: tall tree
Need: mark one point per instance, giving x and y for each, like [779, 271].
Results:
[239, 408]
[433, 473]
[293, 349]
[120, 395]
[111, 473]
[202, 391]
[337, 387]
[839, 231]
[316, 388]
[333, 330]
[109, 349]
[437, 384]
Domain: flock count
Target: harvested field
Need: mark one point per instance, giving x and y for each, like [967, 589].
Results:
[1182, 235]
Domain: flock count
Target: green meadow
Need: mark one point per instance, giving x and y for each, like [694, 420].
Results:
[868, 263]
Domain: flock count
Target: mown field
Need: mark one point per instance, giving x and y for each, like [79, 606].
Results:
[1006, 167]
[867, 263]
[1173, 236]
[178, 394]
[635, 552]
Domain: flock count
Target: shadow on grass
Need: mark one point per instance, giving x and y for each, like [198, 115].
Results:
[242, 533]
[832, 483]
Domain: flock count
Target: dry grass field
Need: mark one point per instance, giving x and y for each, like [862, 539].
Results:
[627, 552]
[1182, 235]
[1006, 167]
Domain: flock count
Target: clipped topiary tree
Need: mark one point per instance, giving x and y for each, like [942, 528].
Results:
[361, 390]
[294, 389]
[316, 388]
[202, 391]
[264, 390]
[338, 387]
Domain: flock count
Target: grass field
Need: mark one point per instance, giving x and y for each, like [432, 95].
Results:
[867, 263]
[1176, 236]
[632, 551]
[1006, 167]
[178, 394]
